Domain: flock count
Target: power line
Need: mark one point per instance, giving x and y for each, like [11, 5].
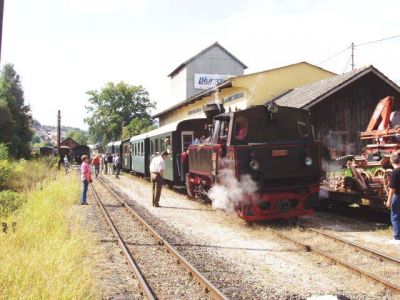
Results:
[347, 64]
[334, 55]
[376, 41]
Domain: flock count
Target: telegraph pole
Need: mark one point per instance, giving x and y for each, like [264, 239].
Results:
[1, 23]
[352, 56]
[58, 131]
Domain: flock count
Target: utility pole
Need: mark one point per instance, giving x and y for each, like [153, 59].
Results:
[58, 131]
[1, 23]
[352, 56]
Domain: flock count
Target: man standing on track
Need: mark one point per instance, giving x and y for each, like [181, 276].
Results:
[157, 167]
[96, 165]
[393, 200]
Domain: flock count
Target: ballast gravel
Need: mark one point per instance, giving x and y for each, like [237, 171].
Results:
[246, 262]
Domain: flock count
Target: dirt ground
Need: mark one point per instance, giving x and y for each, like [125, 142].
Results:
[276, 267]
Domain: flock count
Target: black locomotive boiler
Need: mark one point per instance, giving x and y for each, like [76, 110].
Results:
[274, 146]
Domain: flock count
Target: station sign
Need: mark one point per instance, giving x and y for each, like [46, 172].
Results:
[206, 81]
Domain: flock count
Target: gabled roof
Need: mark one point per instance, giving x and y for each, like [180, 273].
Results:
[182, 65]
[311, 94]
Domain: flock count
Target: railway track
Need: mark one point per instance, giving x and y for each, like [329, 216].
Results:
[367, 262]
[176, 271]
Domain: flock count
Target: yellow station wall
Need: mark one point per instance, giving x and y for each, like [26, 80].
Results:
[252, 89]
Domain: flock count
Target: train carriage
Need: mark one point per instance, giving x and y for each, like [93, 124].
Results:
[117, 148]
[80, 150]
[126, 155]
[110, 147]
[175, 138]
[47, 151]
[140, 154]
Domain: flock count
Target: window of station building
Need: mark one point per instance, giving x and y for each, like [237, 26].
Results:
[240, 128]
[141, 149]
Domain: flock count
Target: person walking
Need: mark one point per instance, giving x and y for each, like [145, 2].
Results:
[118, 165]
[66, 163]
[393, 200]
[86, 177]
[96, 165]
[157, 166]
[109, 163]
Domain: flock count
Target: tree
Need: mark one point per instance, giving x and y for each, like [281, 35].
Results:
[140, 125]
[81, 137]
[15, 117]
[114, 106]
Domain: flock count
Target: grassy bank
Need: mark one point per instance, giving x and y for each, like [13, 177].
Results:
[45, 257]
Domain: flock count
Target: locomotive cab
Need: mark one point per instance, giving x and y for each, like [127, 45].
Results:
[272, 145]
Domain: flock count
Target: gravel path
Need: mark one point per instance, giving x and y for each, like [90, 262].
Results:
[250, 262]
[167, 279]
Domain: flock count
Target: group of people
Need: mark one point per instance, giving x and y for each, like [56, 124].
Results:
[107, 164]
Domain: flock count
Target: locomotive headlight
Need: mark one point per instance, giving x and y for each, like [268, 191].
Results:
[254, 165]
[308, 161]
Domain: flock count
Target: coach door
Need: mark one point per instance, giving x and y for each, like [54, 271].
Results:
[187, 139]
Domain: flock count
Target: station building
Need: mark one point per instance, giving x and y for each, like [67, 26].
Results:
[232, 88]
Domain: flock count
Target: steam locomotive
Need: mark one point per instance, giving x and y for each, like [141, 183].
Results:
[270, 146]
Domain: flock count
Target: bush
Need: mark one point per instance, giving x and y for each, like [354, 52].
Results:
[3, 152]
[10, 202]
[24, 175]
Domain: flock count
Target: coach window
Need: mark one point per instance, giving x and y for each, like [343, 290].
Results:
[156, 146]
[240, 128]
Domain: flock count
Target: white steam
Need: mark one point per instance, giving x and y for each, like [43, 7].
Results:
[229, 193]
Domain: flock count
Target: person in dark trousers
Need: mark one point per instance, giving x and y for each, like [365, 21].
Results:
[157, 167]
[118, 165]
[393, 200]
[86, 177]
[96, 165]
[110, 163]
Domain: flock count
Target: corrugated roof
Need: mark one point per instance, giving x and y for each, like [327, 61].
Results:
[200, 53]
[309, 95]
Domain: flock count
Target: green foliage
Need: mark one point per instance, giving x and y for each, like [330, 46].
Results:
[81, 137]
[3, 152]
[114, 106]
[139, 125]
[23, 175]
[15, 118]
[36, 139]
[10, 202]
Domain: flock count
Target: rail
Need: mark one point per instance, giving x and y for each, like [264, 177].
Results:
[342, 262]
[210, 288]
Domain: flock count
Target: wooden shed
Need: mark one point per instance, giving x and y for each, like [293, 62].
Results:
[69, 142]
[342, 106]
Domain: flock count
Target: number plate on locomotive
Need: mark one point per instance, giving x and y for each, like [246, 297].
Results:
[279, 152]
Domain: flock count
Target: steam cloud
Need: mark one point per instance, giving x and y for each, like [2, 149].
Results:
[230, 192]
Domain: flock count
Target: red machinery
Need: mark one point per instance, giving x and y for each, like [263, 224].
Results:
[371, 171]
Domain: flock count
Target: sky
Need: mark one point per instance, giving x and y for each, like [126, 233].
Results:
[63, 48]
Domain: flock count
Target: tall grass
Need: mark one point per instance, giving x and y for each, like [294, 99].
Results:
[47, 256]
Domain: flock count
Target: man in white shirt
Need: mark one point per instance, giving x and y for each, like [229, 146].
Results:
[157, 167]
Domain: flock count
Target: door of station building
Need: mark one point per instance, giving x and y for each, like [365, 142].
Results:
[187, 139]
